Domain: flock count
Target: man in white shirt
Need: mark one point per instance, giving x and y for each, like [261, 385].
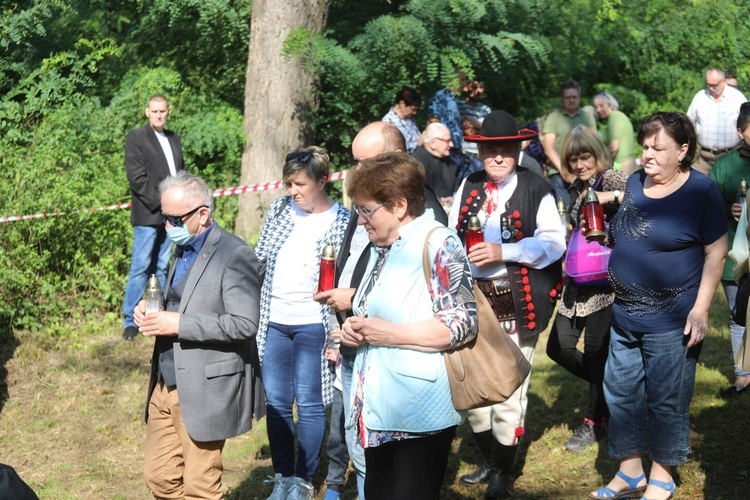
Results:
[714, 112]
[151, 155]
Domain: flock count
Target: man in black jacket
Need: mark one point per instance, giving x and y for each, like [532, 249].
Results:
[151, 154]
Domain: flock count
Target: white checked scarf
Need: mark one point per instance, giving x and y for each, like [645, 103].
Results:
[276, 229]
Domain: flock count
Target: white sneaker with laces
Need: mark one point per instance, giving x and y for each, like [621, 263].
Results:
[281, 488]
[301, 490]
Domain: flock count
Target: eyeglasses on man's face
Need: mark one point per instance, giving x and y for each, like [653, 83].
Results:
[364, 211]
[177, 220]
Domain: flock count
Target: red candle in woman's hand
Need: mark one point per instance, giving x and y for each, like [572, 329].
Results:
[327, 268]
[593, 213]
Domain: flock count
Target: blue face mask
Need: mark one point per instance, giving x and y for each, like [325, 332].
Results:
[181, 236]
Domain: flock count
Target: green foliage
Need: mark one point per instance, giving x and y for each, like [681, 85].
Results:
[65, 154]
[204, 40]
[18, 27]
[53, 265]
[75, 76]
[425, 44]
[213, 138]
[59, 77]
[657, 49]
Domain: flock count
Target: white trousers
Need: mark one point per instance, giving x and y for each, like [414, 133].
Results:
[506, 420]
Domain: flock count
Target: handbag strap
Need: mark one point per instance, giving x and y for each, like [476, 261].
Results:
[600, 179]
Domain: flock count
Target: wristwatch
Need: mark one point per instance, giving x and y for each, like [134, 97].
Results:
[616, 192]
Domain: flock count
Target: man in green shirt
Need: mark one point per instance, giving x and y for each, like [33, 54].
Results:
[559, 122]
[619, 137]
[728, 172]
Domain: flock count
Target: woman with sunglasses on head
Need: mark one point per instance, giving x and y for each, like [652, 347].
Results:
[406, 314]
[669, 239]
[293, 327]
[728, 172]
[587, 308]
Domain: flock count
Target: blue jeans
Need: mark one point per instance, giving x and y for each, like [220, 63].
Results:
[151, 251]
[736, 331]
[356, 452]
[648, 383]
[291, 372]
[338, 456]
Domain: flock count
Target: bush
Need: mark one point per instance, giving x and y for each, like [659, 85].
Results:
[72, 159]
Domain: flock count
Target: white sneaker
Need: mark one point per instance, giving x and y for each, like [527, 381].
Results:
[301, 490]
[282, 487]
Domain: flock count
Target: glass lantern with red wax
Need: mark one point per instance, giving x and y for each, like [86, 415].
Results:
[474, 233]
[327, 268]
[593, 213]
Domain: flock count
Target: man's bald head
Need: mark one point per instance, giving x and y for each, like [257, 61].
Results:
[377, 138]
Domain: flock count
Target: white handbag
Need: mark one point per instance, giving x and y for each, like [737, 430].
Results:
[740, 252]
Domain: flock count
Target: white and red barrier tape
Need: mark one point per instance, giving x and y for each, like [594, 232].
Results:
[231, 191]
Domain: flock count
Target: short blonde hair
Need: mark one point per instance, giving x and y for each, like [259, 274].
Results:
[313, 160]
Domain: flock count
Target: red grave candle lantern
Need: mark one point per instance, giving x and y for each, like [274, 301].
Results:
[327, 268]
[474, 233]
[593, 212]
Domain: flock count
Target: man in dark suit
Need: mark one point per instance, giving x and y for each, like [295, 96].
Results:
[205, 357]
[151, 154]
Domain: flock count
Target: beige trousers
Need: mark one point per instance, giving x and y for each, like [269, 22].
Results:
[505, 418]
[704, 160]
[176, 467]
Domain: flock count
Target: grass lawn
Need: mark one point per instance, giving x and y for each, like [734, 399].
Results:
[71, 406]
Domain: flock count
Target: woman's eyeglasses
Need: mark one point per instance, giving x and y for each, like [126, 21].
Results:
[364, 211]
[177, 220]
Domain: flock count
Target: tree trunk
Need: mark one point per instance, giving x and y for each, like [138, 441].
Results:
[279, 101]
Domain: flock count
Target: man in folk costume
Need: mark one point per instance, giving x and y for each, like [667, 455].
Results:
[518, 267]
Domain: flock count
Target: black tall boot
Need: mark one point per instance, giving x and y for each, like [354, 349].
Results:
[504, 465]
[482, 475]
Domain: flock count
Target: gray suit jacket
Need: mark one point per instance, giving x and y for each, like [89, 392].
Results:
[215, 354]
